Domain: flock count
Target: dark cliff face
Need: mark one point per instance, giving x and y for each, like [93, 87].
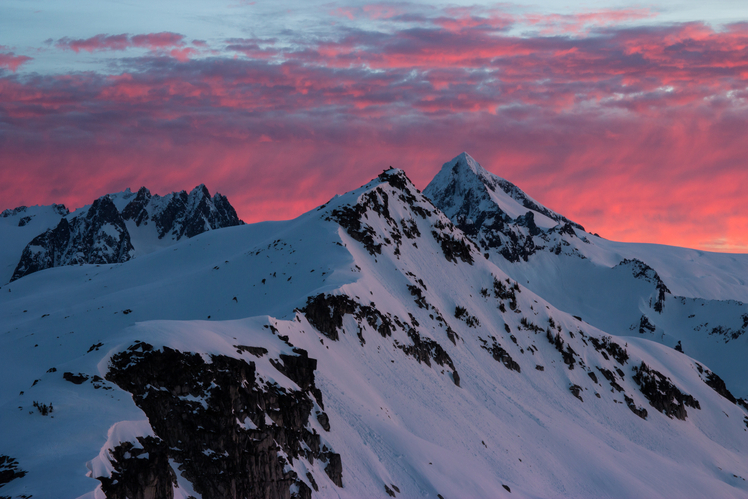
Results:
[224, 214]
[230, 434]
[100, 236]
[169, 216]
[208, 213]
[97, 237]
[136, 209]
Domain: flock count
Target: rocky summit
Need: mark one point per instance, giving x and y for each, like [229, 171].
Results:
[388, 343]
[498, 214]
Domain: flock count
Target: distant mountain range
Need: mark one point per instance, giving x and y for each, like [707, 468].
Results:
[461, 342]
[113, 229]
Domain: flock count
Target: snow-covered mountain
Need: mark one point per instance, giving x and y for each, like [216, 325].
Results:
[113, 229]
[496, 213]
[690, 299]
[365, 349]
[19, 226]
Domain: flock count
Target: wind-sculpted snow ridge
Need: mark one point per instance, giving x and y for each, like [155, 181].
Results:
[114, 228]
[683, 298]
[366, 349]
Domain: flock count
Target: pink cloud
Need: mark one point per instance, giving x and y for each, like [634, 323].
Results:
[95, 43]
[11, 61]
[636, 132]
[155, 41]
[183, 54]
[581, 22]
[168, 43]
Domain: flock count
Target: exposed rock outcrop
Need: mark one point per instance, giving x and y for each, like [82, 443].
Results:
[98, 236]
[9, 470]
[231, 434]
[662, 394]
[641, 270]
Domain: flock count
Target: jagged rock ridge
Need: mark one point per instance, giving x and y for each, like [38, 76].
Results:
[100, 234]
[180, 214]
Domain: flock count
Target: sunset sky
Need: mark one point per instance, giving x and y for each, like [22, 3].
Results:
[629, 118]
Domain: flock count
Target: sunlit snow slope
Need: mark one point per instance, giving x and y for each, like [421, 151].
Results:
[663, 293]
[366, 349]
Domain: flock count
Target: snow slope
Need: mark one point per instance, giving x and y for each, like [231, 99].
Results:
[438, 375]
[664, 293]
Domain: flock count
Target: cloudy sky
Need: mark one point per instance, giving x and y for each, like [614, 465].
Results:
[629, 118]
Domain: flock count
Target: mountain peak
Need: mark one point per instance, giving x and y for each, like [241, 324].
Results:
[463, 180]
[395, 177]
[464, 160]
[493, 210]
[392, 171]
[463, 173]
[200, 189]
[465, 167]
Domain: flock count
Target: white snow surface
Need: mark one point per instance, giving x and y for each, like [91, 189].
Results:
[707, 290]
[394, 421]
